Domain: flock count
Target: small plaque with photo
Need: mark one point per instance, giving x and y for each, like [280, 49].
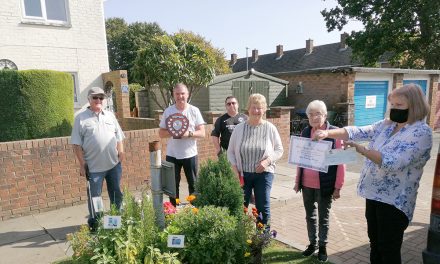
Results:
[112, 221]
[176, 241]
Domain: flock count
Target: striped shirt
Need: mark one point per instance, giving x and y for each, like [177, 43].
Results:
[253, 145]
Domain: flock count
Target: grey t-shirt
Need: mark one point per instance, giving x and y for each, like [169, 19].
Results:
[98, 135]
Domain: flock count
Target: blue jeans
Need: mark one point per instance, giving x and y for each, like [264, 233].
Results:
[261, 183]
[315, 204]
[113, 180]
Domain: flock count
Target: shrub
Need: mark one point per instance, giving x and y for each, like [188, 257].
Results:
[13, 117]
[217, 185]
[211, 235]
[129, 244]
[39, 103]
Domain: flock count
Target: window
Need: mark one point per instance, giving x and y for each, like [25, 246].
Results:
[75, 87]
[46, 11]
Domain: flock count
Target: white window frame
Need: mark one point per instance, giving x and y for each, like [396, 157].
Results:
[43, 19]
[76, 89]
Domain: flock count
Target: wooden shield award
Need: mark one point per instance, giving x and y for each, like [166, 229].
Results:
[177, 124]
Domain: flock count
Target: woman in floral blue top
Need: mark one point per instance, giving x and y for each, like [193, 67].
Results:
[398, 149]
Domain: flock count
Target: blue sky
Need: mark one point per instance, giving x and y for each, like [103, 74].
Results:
[236, 24]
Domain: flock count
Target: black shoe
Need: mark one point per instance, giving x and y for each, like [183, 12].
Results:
[309, 250]
[322, 254]
[93, 225]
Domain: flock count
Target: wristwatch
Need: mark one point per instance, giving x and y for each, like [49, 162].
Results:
[190, 134]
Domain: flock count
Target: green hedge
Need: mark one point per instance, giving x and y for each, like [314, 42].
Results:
[35, 104]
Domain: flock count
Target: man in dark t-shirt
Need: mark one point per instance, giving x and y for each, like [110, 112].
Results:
[225, 124]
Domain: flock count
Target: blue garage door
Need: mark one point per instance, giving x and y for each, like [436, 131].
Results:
[370, 101]
[422, 83]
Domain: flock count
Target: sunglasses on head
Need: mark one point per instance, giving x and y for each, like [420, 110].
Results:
[231, 103]
[98, 97]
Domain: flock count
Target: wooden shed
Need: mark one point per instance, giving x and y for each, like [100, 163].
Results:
[241, 85]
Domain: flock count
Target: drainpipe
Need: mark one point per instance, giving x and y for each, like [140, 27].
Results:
[156, 183]
[431, 255]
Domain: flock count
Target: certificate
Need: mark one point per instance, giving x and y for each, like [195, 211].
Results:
[341, 156]
[309, 154]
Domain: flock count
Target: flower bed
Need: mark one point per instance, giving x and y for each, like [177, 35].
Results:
[214, 230]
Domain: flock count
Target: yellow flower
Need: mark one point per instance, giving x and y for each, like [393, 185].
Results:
[195, 210]
[249, 241]
[177, 201]
[260, 225]
[247, 254]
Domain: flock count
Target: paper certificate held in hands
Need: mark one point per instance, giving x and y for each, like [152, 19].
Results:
[309, 154]
[341, 156]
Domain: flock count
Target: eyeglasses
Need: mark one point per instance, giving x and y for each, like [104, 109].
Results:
[98, 97]
[315, 115]
[231, 103]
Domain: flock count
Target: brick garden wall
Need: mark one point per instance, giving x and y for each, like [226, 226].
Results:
[42, 175]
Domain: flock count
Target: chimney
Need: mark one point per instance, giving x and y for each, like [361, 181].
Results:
[233, 59]
[309, 46]
[279, 51]
[254, 55]
[342, 44]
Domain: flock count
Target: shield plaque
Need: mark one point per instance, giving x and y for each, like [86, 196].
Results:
[177, 124]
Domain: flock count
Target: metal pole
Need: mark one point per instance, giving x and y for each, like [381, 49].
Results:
[247, 59]
[156, 183]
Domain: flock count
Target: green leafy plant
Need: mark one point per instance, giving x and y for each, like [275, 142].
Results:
[125, 245]
[211, 235]
[80, 243]
[217, 185]
[154, 256]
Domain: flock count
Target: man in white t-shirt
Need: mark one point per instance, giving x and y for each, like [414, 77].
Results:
[182, 151]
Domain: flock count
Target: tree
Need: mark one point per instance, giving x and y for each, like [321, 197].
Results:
[124, 41]
[168, 60]
[407, 30]
[221, 64]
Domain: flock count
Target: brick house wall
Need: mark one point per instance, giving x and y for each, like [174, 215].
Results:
[42, 175]
[316, 86]
[78, 48]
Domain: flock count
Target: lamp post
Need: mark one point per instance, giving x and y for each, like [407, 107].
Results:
[247, 59]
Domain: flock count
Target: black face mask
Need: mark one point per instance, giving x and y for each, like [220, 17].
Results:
[399, 115]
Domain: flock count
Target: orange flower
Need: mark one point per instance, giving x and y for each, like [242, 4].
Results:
[254, 210]
[191, 198]
[245, 210]
[260, 225]
[195, 210]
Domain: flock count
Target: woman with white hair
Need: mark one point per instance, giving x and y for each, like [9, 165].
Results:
[319, 188]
